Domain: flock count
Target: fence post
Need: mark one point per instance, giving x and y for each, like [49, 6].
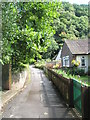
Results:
[85, 95]
[6, 77]
[71, 93]
[50, 74]
[10, 76]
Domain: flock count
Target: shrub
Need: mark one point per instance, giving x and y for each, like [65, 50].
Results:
[40, 64]
[32, 61]
[81, 72]
[78, 71]
[74, 71]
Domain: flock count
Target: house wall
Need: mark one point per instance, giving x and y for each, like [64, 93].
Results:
[89, 60]
[66, 52]
[87, 63]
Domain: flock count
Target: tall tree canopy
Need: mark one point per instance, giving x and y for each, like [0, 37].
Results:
[27, 30]
[36, 30]
[72, 23]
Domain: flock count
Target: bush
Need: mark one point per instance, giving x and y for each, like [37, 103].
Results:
[32, 61]
[40, 64]
[80, 72]
[74, 71]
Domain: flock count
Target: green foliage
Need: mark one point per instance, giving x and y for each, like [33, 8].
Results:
[27, 30]
[32, 61]
[75, 71]
[72, 23]
[82, 79]
[41, 63]
[1, 62]
[80, 72]
[36, 30]
[50, 53]
[81, 10]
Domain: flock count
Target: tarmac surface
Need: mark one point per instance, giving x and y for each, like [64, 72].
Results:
[40, 99]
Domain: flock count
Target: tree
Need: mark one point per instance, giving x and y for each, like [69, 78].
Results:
[72, 23]
[27, 30]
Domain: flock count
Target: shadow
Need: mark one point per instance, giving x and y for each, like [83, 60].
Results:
[55, 102]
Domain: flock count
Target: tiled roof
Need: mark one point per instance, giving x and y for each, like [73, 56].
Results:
[78, 46]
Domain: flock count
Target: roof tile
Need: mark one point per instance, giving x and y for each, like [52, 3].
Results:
[78, 46]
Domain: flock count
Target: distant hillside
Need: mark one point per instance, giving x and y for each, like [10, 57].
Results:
[81, 10]
[72, 23]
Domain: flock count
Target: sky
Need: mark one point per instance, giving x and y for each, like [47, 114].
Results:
[77, 1]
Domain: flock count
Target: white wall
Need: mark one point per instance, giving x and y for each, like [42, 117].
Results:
[59, 56]
[87, 63]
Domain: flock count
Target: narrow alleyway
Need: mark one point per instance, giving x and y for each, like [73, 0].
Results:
[40, 99]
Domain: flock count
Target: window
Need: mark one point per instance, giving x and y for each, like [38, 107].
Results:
[83, 61]
[66, 61]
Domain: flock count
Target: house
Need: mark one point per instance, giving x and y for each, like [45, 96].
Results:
[76, 50]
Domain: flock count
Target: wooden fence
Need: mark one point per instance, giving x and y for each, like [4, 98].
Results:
[75, 94]
[63, 84]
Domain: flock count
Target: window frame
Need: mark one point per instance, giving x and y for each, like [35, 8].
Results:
[63, 61]
[83, 64]
[66, 61]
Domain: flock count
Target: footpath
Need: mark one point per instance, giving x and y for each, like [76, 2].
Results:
[40, 99]
[16, 87]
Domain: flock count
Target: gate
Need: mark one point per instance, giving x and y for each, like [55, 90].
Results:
[77, 95]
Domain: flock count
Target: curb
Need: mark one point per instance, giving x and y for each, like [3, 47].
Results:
[11, 97]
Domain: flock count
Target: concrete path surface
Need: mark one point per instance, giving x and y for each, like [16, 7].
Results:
[40, 99]
[16, 87]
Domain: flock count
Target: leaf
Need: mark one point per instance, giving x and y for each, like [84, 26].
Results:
[1, 62]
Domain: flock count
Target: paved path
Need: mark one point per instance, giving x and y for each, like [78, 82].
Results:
[19, 81]
[40, 99]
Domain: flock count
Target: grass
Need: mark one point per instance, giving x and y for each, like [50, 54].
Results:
[82, 79]
[85, 79]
